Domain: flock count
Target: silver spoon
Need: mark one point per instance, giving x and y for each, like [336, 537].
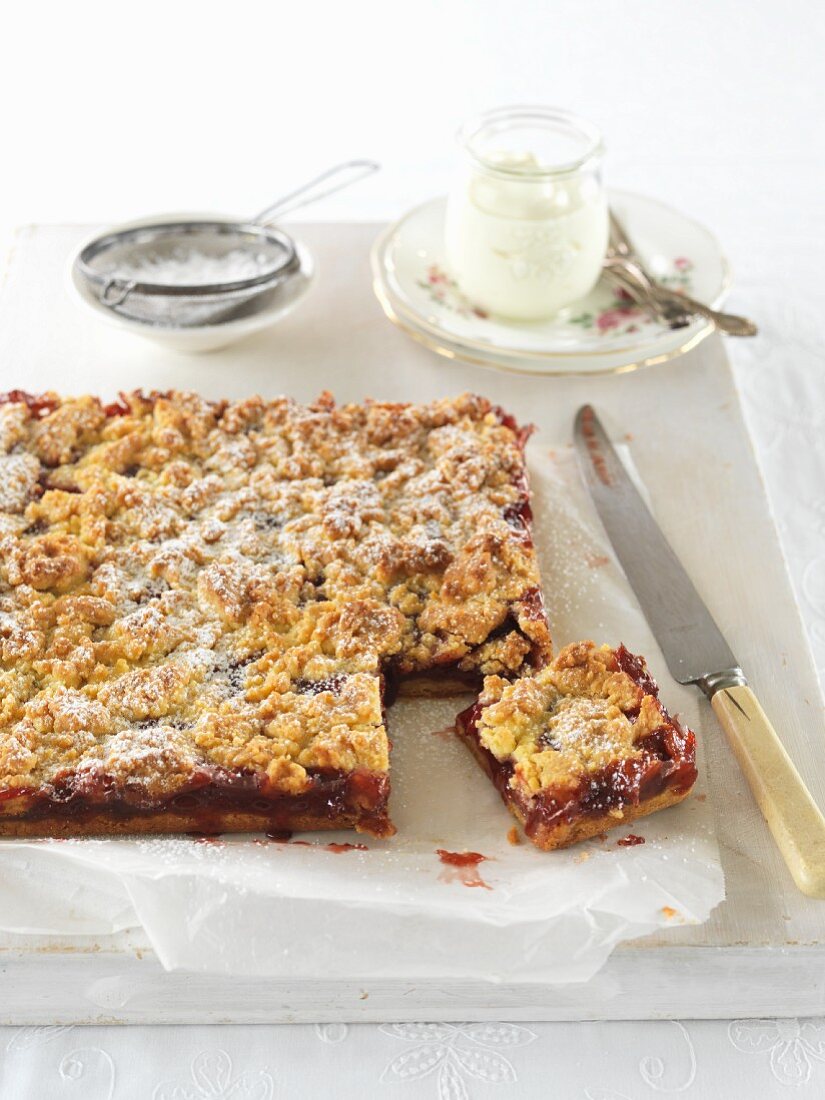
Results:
[622, 256]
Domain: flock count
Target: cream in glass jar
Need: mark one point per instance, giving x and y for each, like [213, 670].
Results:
[526, 228]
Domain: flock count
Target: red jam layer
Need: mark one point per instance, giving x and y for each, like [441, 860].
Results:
[522, 432]
[446, 673]
[39, 405]
[210, 793]
[636, 668]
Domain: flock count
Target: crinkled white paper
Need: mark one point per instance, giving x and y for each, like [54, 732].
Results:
[249, 906]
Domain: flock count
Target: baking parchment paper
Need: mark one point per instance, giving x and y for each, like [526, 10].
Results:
[254, 906]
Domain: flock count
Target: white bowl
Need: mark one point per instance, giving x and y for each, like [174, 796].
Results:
[204, 337]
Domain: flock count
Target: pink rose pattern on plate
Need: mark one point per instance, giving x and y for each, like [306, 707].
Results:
[443, 291]
[621, 316]
[618, 318]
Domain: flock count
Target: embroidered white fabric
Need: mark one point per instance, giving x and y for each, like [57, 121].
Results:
[699, 1060]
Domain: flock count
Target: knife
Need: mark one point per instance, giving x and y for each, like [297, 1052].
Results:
[697, 653]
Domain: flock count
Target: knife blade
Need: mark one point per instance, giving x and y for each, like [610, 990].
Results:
[696, 652]
[692, 644]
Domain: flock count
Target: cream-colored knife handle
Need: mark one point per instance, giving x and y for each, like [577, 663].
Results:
[793, 817]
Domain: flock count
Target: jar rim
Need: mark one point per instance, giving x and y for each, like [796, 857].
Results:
[537, 115]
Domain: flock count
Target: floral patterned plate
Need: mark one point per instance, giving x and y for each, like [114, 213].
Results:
[603, 332]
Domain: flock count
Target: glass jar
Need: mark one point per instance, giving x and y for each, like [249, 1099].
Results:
[527, 225]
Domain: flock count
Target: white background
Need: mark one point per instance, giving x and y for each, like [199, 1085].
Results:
[116, 108]
[112, 110]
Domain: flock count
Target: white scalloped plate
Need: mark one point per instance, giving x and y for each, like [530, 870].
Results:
[601, 333]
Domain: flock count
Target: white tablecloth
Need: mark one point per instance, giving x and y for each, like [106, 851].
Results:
[617, 1061]
[711, 105]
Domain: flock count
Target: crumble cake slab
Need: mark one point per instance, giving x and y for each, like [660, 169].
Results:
[582, 746]
[204, 606]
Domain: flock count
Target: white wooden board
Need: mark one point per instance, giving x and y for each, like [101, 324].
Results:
[762, 951]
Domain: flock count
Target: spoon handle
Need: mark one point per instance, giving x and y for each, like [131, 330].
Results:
[729, 323]
[673, 307]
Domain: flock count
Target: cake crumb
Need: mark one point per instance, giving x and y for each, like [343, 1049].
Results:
[513, 835]
[630, 841]
[596, 561]
[670, 913]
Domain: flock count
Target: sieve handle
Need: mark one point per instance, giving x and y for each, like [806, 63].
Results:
[122, 289]
[318, 188]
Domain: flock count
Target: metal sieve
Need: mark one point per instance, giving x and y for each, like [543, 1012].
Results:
[148, 272]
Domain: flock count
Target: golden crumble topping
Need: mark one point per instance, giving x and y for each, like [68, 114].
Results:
[573, 719]
[186, 584]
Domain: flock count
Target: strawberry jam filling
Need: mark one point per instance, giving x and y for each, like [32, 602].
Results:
[331, 796]
[39, 405]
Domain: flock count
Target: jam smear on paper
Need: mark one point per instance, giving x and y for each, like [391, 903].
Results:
[284, 836]
[445, 734]
[462, 867]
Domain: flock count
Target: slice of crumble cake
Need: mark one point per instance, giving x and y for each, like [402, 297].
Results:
[581, 746]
